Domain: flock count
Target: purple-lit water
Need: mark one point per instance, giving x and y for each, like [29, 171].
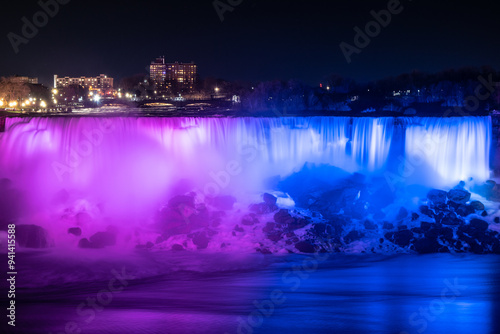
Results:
[120, 170]
[218, 293]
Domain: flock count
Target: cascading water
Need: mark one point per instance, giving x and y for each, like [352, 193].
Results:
[124, 168]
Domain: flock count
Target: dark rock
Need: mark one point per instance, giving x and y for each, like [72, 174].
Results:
[479, 224]
[75, 231]
[426, 246]
[103, 239]
[426, 226]
[85, 243]
[465, 210]
[402, 227]
[160, 239]
[305, 247]
[484, 214]
[262, 208]
[264, 251]
[402, 214]
[31, 236]
[451, 220]
[238, 229]
[353, 236]
[414, 216]
[444, 249]
[283, 217]
[177, 247]
[403, 238]
[148, 245]
[319, 229]
[269, 199]
[269, 227]
[477, 205]
[459, 196]
[417, 230]
[388, 226]
[424, 209]
[437, 196]
[370, 225]
[497, 220]
[249, 220]
[275, 236]
[223, 202]
[445, 234]
[181, 201]
[201, 240]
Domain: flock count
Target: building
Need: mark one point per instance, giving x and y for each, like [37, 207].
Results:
[181, 76]
[100, 82]
[24, 80]
[158, 70]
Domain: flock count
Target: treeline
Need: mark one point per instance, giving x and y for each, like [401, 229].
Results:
[468, 87]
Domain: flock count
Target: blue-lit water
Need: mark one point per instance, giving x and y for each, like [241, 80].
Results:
[217, 293]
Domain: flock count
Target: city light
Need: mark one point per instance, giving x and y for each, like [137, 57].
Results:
[97, 98]
[13, 104]
[1, 103]
[43, 104]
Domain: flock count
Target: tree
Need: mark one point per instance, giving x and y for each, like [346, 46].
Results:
[13, 90]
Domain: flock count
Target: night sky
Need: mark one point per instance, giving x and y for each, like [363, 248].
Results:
[258, 40]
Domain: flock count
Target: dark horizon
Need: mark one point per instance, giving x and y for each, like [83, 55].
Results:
[257, 41]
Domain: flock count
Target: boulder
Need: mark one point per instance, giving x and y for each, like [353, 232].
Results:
[426, 226]
[451, 220]
[478, 206]
[403, 238]
[437, 196]
[283, 217]
[305, 247]
[177, 247]
[103, 239]
[31, 236]
[353, 236]
[85, 243]
[459, 196]
[182, 200]
[465, 210]
[369, 225]
[402, 214]
[249, 220]
[201, 240]
[269, 199]
[75, 231]
[426, 246]
[479, 224]
[262, 208]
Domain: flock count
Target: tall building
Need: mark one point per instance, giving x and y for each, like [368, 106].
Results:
[157, 70]
[183, 74]
[168, 75]
[100, 82]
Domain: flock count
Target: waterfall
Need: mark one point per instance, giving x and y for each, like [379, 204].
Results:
[133, 160]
